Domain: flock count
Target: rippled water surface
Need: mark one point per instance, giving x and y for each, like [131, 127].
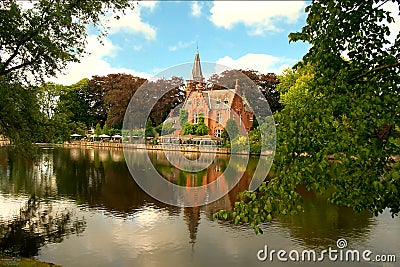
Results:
[112, 222]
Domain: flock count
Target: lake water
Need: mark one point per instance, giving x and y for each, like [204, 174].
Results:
[112, 222]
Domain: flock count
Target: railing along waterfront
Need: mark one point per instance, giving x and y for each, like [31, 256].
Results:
[182, 147]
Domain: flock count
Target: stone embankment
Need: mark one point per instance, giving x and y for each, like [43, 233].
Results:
[182, 148]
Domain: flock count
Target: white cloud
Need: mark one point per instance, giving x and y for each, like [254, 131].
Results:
[258, 16]
[137, 47]
[181, 44]
[24, 5]
[394, 26]
[94, 64]
[130, 21]
[196, 9]
[259, 62]
[147, 4]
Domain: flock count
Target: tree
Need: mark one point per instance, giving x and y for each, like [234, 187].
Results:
[165, 128]
[97, 130]
[48, 97]
[98, 108]
[295, 85]
[64, 111]
[111, 95]
[188, 129]
[41, 40]
[201, 129]
[172, 98]
[200, 117]
[267, 83]
[149, 131]
[340, 142]
[75, 102]
[249, 82]
[155, 97]
[231, 130]
[183, 116]
[255, 141]
[106, 129]
[19, 110]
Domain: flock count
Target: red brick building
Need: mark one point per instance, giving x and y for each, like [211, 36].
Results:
[217, 105]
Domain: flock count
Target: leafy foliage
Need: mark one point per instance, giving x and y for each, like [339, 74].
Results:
[267, 83]
[65, 110]
[110, 96]
[74, 101]
[231, 130]
[19, 110]
[36, 43]
[295, 85]
[188, 129]
[172, 98]
[183, 116]
[339, 139]
[41, 40]
[199, 128]
[149, 130]
[165, 128]
[255, 141]
[98, 130]
[202, 129]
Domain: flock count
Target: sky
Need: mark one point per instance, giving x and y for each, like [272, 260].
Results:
[158, 35]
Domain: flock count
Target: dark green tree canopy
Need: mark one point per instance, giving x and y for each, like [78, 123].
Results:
[41, 40]
[74, 101]
[231, 130]
[342, 138]
[37, 40]
[183, 116]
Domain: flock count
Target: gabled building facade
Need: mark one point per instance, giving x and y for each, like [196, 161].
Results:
[216, 105]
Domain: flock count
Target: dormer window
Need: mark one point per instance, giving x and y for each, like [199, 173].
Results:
[218, 101]
[226, 101]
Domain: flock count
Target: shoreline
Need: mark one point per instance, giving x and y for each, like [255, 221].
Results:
[181, 148]
[120, 146]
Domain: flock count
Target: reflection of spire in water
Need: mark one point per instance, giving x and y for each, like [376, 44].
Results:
[192, 219]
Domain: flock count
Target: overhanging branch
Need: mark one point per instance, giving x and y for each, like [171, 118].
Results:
[379, 68]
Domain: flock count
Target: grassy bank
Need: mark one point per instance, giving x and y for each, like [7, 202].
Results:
[24, 262]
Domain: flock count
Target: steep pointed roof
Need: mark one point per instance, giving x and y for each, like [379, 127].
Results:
[197, 74]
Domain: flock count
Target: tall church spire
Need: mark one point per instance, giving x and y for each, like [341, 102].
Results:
[197, 74]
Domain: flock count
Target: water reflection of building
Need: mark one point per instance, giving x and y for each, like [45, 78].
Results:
[192, 220]
[107, 186]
